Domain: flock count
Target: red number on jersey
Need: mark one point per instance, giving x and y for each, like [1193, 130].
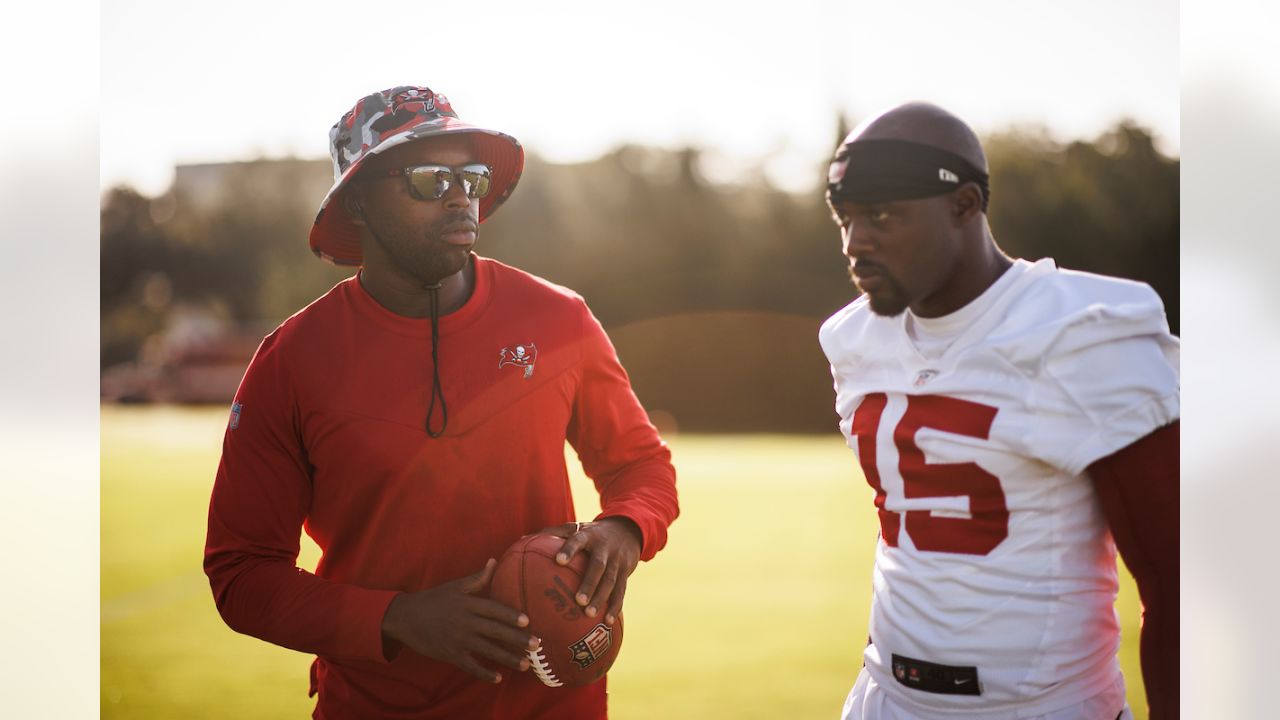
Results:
[865, 423]
[988, 522]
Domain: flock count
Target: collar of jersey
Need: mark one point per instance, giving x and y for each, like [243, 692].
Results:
[951, 326]
[421, 327]
[993, 308]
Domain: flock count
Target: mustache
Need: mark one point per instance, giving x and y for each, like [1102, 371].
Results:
[453, 222]
[865, 268]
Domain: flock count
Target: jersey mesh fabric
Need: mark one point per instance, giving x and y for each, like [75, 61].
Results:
[331, 439]
[1063, 368]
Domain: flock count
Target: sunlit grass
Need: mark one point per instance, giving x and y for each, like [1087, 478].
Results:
[756, 609]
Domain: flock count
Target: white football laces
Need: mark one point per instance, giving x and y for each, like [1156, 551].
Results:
[542, 668]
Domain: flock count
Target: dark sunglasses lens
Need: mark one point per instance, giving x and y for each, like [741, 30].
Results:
[475, 179]
[429, 183]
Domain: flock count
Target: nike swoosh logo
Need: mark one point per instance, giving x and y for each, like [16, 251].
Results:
[961, 682]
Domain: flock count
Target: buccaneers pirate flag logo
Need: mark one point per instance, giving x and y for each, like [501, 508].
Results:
[519, 355]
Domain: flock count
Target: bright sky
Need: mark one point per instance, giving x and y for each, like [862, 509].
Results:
[201, 82]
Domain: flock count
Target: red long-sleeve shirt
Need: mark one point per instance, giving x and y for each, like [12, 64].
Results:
[1138, 489]
[327, 434]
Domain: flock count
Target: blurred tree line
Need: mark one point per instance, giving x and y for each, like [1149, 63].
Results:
[712, 292]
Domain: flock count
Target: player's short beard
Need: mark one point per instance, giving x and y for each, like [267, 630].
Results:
[429, 260]
[890, 300]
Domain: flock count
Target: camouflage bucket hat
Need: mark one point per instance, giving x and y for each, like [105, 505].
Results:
[383, 120]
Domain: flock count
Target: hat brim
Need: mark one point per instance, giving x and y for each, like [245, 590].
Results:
[335, 238]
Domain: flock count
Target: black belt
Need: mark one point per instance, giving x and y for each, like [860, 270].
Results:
[934, 678]
[941, 679]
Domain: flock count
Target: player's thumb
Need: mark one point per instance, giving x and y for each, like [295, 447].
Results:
[477, 582]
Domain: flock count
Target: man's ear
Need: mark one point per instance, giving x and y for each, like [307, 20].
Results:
[351, 203]
[966, 203]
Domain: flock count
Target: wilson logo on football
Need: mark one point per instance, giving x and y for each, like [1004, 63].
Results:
[519, 355]
[592, 645]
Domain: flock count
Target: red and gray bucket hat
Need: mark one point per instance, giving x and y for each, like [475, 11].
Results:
[383, 120]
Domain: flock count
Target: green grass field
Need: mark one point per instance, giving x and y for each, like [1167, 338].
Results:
[708, 635]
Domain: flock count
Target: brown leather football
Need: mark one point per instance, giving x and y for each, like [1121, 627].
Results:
[576, 649]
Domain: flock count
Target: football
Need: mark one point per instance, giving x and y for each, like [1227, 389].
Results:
[576, 649]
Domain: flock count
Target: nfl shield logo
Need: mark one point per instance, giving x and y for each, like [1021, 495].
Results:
[923, 377]
[235, 416]
[592, 645]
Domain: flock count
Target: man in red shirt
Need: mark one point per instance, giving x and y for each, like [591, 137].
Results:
[412, 421]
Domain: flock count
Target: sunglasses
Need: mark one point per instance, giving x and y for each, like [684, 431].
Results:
[431, 182]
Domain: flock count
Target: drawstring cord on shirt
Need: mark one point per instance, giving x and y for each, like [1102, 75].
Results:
[433, 290]
[436, 388]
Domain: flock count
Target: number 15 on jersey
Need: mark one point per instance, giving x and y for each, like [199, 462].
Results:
[988, 522]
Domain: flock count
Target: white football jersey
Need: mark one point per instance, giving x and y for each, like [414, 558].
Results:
[993, 552]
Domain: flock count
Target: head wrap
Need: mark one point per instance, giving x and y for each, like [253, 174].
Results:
[876, 171]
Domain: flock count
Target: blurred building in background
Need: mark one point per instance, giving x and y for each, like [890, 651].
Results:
[207, 185]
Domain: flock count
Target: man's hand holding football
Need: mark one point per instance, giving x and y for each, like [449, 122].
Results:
[613, 545]
[452, 623]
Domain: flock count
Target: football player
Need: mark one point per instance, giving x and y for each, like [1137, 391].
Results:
[1018, 423]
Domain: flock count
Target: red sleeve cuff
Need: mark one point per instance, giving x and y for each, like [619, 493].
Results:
[653, 530]
[367, 610]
